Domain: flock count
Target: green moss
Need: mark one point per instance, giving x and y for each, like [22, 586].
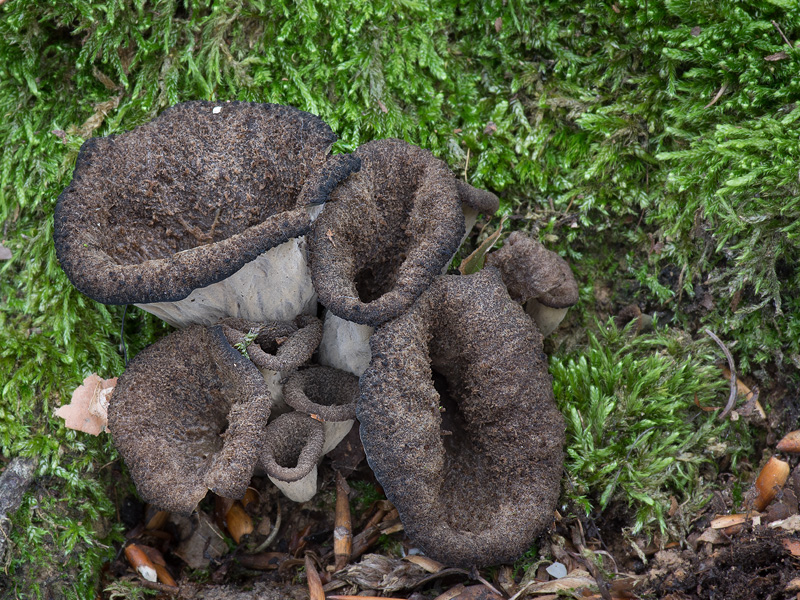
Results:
[594, 122]
[635, 432]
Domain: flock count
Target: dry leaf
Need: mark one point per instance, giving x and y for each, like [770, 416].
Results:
[576, 578]
[777, 56]
[87, 410]
[430, 565]
[793, 546]
[474, 262]
[792, 524]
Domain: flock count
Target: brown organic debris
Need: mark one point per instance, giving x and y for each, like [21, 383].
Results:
[315, 591]
[790, 443]
[140, 562]
[772, 478]
[343, 532]
[88, 408]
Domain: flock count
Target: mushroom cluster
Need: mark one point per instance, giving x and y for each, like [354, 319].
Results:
[308, 289]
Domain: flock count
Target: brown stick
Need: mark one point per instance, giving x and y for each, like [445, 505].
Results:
[343, 531]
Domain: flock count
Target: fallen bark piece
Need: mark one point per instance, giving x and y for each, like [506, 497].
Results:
[88, 408]
[770, 481]
[13, 483]
[264, 561]
[140, 562]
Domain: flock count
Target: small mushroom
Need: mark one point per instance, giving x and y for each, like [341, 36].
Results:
[459, 422]
[290, 453]
[330, 394]
[276, 347]
[188, 415]
[178, 215]
[475, 201]
[386, 232]
[537, 278]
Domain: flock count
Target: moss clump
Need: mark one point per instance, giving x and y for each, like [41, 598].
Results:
[635, 433]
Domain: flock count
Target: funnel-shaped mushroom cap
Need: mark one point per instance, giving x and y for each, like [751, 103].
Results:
[330, 394]
[386, 232]
[275, 345]
[292, 448]
[188, 199]
[530, 270]
[188, 415]
[459, 422]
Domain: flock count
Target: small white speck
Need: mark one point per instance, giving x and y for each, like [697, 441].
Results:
[216, 109]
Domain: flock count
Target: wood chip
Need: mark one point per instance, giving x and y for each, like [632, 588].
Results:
[453, 592]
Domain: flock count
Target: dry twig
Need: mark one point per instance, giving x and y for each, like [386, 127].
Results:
[732, 398]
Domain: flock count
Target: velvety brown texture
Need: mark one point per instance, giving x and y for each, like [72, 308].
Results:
[385, 233]
[530, 270]
[292, 446]
[328, 393]
[481, 200]
[459, 422]
[188, 199]
[279, 345]
[170, 409]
